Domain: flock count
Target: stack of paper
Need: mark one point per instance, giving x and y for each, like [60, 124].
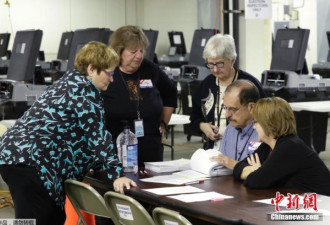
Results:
[168, 166]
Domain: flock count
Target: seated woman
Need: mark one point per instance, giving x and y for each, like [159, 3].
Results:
[283, 160]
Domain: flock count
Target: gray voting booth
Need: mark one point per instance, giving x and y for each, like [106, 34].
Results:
[19, 89]
[285, 79]
[4, 53]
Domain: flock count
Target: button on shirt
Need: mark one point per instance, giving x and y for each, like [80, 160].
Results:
[236, 141]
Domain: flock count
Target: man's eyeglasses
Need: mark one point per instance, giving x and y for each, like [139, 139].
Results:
[231, 110]
[217, 64]
[109, 74]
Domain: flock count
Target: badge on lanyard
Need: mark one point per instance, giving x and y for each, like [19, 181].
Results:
[147, 83]
[139, 129]
[252, 146]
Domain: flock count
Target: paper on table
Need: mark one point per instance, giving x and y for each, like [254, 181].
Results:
[169, 179]
[168, 166]
[173, 190]
[191, 174]
[199, 197]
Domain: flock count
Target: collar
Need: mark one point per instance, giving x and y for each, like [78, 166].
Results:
[248, 130]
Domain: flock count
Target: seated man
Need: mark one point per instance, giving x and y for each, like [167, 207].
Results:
[240, 139]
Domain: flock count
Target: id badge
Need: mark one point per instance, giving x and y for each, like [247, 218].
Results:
[139, 129]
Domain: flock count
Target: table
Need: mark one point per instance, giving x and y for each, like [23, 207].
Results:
[317, 122]
[176, 119]
[239, 210]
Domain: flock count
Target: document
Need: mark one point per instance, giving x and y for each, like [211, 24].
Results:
[168, 166]
[191, 174]
[169, 179]
[200, 162]
[174, 190]
[199, 197]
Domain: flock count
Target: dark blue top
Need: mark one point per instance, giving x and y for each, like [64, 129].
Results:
[62, 135]
[208, 86]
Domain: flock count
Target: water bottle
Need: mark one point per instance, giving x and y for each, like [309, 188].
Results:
[127, 145]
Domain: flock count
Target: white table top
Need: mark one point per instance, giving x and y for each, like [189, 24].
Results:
[317, 106]
[177, 119]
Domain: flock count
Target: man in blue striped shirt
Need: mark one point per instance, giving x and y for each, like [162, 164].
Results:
[240, 139]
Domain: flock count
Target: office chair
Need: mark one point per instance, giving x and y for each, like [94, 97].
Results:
[127, 210]
[164, 216]
[84, 197]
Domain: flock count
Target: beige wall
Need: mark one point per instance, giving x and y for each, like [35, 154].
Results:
[57, 16]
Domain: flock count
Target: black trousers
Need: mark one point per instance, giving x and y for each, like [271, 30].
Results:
[31, 199]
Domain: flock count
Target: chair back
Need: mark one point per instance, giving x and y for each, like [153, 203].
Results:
[127, 210]
[164, 216]
[86, 198]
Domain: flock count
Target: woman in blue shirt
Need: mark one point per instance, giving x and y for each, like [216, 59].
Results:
[62, 136]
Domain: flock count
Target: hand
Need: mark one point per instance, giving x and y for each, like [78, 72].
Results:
[225, 161]
[122, 182]
[162, 130]
[210, 131]
[254, 161]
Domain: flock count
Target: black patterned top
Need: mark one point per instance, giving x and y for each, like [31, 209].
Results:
[62, 135]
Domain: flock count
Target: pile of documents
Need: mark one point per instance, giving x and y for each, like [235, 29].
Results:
[168, 166]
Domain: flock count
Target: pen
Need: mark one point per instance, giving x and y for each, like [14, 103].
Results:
[195, 182]
[217, 199]
[146, 173]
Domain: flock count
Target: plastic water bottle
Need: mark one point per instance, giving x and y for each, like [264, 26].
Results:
[127, 145]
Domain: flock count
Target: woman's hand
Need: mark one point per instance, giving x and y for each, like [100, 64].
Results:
[122, 182]
[254, 161]
[210, 131]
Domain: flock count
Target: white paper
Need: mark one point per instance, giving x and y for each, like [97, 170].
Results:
[174, 190]
[168, 166]
[125, 212]
[190, 174]
[261, 9]
[200, 161]
[169, 179]
[199, 197]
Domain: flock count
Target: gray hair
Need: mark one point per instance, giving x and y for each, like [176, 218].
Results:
[219, 46]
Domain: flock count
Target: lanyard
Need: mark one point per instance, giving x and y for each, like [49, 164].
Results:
[137, 105]
[241, 152]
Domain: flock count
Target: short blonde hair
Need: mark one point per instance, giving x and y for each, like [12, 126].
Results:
[275, 116]
[97, 54]
[128, 37]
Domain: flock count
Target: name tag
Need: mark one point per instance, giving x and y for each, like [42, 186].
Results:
[253, 145]
[146, 84]
[139, 129]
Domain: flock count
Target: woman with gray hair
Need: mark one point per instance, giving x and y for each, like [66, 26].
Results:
[208, 115]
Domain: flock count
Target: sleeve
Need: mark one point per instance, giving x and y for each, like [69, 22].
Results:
[263, 152]
[224, 142]
[196, 115]
[281, 163]
[167, 89]
[90, 118]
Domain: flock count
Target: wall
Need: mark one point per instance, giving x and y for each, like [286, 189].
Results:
[57, 16]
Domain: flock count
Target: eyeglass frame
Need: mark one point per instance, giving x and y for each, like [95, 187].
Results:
[109, 74]
[231, 110]
[219, 65]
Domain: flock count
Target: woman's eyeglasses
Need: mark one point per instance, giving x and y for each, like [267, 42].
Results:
[109, 74]
[217, 64]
